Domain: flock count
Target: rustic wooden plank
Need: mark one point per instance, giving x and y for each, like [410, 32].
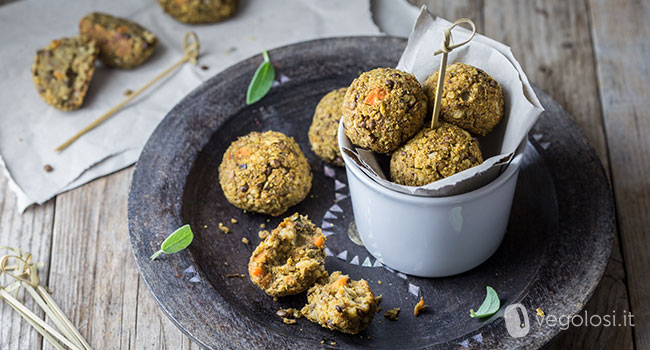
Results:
[558, 31]
[32, 232]
[456, 9]
[155, 330]
[620, 30]
[551, 39]
[93, 274]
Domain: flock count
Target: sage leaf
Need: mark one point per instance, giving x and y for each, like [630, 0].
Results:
[262, 80]
[490, 305]
[176, 242]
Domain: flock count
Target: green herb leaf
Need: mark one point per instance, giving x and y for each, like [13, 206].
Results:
[262, 80]
[177, 241]
[490, 305]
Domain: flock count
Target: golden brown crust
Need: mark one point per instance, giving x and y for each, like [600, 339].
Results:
[471, 98]
[383, 108]
[434, 154]
[290, 259]
[265, 173]
[324, 127]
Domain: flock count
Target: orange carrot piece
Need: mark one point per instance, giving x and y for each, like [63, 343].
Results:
[243, 153]
[375, 95]
[319, 241]
[340, 282]
[257, 271]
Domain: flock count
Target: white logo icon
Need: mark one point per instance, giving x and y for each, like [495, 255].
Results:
[516, 327]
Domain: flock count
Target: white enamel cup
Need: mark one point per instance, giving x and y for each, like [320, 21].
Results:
[431, 236]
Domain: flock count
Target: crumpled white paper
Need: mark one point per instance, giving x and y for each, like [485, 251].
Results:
[522, 108]
[30, 129]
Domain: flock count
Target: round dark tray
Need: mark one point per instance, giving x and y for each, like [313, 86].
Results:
[556, 248]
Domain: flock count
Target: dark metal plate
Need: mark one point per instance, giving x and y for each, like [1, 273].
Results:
[558, 241]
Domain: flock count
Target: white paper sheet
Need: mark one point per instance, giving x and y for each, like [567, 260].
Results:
[30, 129]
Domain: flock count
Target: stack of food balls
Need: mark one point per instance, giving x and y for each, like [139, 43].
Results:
[387, 111]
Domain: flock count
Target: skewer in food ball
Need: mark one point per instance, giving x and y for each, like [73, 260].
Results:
[290, 259]
[434, 154]
[265, 173]
[383, 108]
[325, 125]
[471, 98]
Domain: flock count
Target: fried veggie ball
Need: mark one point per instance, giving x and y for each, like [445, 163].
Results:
[265, 173]
[325, 125]
[434, 154]
[290, 259]
[383, 108]
[122, 43]
[471, 98]
[199, 11]
[62, 71]
[341, 304]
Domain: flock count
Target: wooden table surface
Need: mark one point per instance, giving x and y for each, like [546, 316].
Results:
[590, 55]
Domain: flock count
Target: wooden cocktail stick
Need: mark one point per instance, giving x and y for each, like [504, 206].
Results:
[191, 49]
[445, 50]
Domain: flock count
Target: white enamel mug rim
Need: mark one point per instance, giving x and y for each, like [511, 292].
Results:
[482, 191]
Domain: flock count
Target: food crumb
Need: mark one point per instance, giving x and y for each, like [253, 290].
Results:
[224, 228]
[378, 282]
[289, 315]
[233, 221]
[225, 263]
[20, 139]
[378, 298]
[333, 343]
[322, 342]
[268, 220]
[205, 226]
[204, 67]
[540, 313]
[263, 234]
[128, 92]
[392, 314]
[419, 307]
[235, 275]
[311, 196]
[245, 240]
[262, 225]
[48, 168]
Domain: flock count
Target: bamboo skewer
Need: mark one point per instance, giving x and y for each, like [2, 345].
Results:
[25, 275]
[191, 50]
[446, 48]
